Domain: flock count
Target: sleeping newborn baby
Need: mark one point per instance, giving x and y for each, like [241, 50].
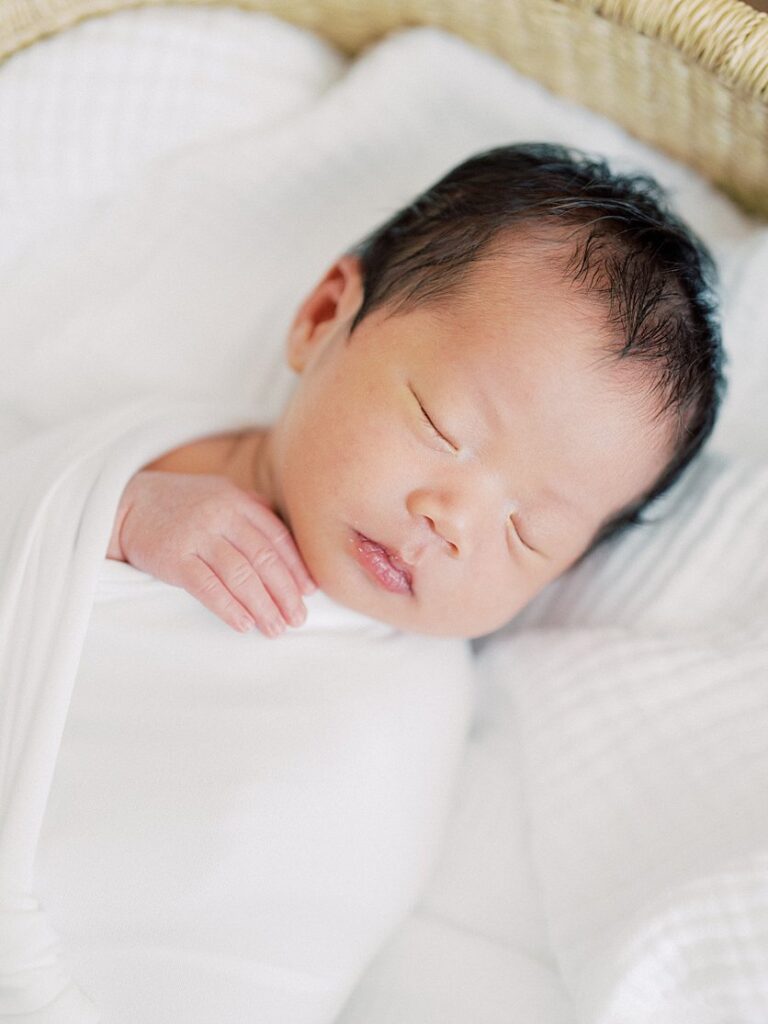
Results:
[492, 383]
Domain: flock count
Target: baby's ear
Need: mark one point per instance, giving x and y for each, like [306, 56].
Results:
[330, 305]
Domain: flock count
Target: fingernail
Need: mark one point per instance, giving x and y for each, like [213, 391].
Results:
[245, 625]
[298, 615]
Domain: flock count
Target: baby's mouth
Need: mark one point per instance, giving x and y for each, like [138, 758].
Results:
[384, 564]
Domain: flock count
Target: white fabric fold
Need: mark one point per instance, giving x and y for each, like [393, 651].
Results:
[61, 489]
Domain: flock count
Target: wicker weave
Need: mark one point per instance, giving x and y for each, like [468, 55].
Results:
[690, 77]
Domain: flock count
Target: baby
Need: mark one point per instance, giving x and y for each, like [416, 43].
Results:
[492, 383]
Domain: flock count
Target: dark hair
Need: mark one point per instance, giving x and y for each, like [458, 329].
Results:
[656, 278]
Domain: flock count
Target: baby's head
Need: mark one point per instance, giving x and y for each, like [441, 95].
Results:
[496, 380]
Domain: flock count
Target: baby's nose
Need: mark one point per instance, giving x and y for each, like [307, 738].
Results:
[447, 517]
[446, 533]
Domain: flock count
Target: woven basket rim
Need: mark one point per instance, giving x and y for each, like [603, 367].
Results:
[727, 37]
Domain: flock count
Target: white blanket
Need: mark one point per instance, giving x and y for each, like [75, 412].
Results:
[160, 318]
[643, 722]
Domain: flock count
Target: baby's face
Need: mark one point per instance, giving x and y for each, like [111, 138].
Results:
[481, 442]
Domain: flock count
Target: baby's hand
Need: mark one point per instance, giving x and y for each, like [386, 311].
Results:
[222, 544]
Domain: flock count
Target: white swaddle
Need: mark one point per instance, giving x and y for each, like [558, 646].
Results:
[239, 822]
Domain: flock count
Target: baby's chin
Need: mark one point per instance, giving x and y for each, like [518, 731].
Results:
[399, 611]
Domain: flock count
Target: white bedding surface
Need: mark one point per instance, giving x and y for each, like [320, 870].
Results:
[243, 202]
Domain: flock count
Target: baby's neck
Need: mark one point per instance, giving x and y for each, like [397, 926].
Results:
[247, 463]
[237, 455]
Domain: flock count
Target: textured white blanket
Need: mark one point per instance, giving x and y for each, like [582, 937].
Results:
[635, 687]
[643, 719]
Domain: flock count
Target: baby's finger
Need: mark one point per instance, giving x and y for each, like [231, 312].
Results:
[201, 581]
[256, 574]
[265, 520]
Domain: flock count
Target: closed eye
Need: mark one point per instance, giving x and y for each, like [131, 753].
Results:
[521, 538]
[431, 425]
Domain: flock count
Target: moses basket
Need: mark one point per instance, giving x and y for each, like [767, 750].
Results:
[690, 78]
